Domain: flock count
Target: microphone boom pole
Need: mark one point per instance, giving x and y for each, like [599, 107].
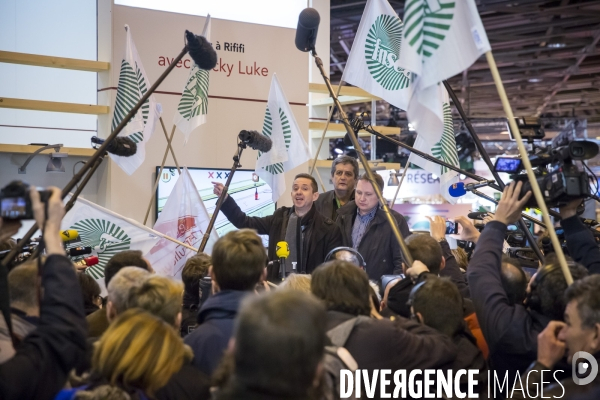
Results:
[101, 150]
[407, 256]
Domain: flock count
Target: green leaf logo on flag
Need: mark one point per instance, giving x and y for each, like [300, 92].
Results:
[194, 99]
[445, 149]
[427, 22]
[382, 50]
[105, 237]
[132, 87]
[287, 135]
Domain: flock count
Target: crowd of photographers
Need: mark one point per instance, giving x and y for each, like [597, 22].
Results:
[232, 330]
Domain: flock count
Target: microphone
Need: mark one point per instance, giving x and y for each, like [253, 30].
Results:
[119, 146]
[201, 51]
[79, 251]
[460, 189]
[86, 262]
[306, 32]
[479, 215]
[282, 251]
[69, 235]
[256, 140]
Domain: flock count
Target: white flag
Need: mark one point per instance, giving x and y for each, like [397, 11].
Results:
[133, 84]
[289, 147]
[373, 61]
[107, 233]
[431, 115]
[184, 218]
[193, 105]
[441, 39]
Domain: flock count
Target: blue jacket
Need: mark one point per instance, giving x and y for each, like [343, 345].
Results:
[215, 327]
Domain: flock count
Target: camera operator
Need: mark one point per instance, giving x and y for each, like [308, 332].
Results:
[511, 329]
[42, 362]
[580, 241]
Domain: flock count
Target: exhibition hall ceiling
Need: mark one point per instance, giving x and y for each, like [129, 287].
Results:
[547, 52]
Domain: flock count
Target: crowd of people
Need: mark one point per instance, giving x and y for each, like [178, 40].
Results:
[232, 329]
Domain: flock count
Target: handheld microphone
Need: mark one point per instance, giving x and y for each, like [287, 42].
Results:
[282, 251]
[79, 251]
[201, 51]
[256, 140]
[87, 262]
[119, 146]
[69, 235]
[460, 189]
[306, 32]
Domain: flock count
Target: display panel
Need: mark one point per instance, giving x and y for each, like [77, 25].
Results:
[250, 192]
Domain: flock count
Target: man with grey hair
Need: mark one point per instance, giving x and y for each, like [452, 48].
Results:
[119, 287]
[344, 173]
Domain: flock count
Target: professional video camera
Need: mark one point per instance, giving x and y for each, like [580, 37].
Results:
[560, 172]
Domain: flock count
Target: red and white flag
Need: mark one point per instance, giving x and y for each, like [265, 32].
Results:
[184, 217]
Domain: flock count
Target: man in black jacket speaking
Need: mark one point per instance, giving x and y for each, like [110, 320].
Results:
[310, 235]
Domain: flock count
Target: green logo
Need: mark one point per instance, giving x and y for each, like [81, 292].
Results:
[445, 149]
[194, 99]
[382, 50]
[132, 87]
[287, 135]
[105, 238]
[427, 22]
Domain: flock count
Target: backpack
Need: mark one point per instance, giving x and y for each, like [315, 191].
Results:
[337, 357]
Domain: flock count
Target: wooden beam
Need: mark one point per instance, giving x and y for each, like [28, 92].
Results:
[344, 91]
[338, 130]
[53, 106]
[53, 62]
[27, 149]
[344, 100]
[327, 164]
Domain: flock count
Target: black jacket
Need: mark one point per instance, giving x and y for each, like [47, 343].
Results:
[44, 359]
[399, 344]
[581, 244]
[215, 327]
[327, 206]
[319, 234]
[379, 247]
[510, 330]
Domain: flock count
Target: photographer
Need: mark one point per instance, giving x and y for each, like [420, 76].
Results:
[580, 241]
[511, 329]
[42, 362]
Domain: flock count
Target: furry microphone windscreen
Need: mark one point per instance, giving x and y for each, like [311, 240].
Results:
[122, 146]
[256, 140]
[201, 51]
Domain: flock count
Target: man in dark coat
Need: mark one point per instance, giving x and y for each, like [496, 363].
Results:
[344, 173]
[580, 240]
[365, 228]
[238, 262]
[310, 236]
[376, 344]
[511, 330]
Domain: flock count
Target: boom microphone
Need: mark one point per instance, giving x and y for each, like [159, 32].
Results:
[119, 146]
[460, 189]
[308, 26]
[201, 51]
[256, 140]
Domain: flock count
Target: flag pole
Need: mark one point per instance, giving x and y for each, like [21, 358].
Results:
[408, 260]
[169, 146]
[539, 198]
[400, 184]
[162, 165]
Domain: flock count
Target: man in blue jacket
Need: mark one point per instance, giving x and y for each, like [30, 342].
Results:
[238, 263]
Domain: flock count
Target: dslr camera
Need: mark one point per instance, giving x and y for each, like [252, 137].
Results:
[15, 203]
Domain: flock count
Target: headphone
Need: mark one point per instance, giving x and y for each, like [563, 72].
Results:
[414, 291]
[533, 300]
[361, 260]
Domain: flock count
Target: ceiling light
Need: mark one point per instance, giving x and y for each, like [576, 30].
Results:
[534, 80]
[411, 127]
[393, 181]
[55, 164]
[556, 45]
